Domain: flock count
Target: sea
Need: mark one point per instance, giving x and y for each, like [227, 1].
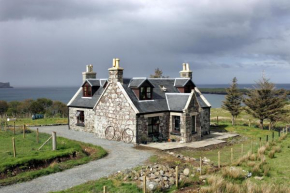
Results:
[64, 94]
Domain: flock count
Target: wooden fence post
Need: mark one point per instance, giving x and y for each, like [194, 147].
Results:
[144, 183]
[219, 159]
[54, 140]
[37, 136]
[176, 176]
[104, 189]
[260, 141]
[14, 128]
[200, 163]
[23, 131]
[14, 148]
[273, 136]
[249, 123]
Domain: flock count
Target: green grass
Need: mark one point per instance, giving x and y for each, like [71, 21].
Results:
[29, 121]
[27, 155]
[114, 186]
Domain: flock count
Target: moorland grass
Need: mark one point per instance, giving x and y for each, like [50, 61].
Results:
[28, 155]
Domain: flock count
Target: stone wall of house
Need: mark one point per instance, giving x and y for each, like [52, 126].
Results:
[89, 119]
[205, 121]
[193, 110]
[114, 110]
[142, 122]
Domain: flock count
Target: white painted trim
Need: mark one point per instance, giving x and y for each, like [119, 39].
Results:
[87, 97]
[174, 82]
[162, 78]
[176, 114]
[140, 101]
[167, 101]
[75, 96]
[189, 100]
[177, 93]
[102, 95]
[127, 97]
[202, 97]
[154, 115]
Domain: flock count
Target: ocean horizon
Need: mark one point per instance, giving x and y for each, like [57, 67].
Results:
[65, 93]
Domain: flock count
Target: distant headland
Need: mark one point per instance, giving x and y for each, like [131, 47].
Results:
[5, 85]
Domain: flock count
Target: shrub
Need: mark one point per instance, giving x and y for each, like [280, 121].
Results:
[253, 157]
[271, 154]
[266, 169]
[233, 172]
[251, 163]
[261, 150]
[277, 149]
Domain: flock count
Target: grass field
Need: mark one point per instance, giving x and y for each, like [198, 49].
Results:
[29, 121]
[46, 161]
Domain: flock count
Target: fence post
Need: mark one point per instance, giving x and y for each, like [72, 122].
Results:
[14, 128]
[37, 136]
[249, 123]
[176, 176]
[14, 148]
[219, 159]
[273, 136]
[144, 183]
[252, 147]
[104, 189]
[23, 131]
[260, 141]
[54, 140]
[200, 163]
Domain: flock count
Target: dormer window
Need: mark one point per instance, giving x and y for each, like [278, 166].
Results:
[145, 93]
[87, 90]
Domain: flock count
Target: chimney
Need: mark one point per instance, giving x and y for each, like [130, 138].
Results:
[89, 74]
[116, 72]
[186, 72]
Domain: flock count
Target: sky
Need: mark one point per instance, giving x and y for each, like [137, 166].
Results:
[50, 42]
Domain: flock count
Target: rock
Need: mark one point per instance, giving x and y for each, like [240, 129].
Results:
[186, 158]
[161, 172]
[157, 180]
[203, 177]
[165, 178]
[156, 173]
[171, 153]
[259, 178]
[186, 171]
[151, 186]
[193, 159]
[125, 178]
[152, 176]
[171, 181]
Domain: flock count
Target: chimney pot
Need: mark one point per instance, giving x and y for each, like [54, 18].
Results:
[187, 67]
[184, 67]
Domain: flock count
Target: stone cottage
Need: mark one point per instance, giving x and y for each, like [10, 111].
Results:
[140, 109]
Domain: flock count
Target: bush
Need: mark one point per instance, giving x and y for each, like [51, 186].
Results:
[233, 172]
[271, 154]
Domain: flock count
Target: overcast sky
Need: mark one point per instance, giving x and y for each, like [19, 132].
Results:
[49, 42]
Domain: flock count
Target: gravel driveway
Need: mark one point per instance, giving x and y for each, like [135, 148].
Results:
[121, 156]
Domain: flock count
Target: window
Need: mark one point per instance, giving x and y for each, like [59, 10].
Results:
[153, 126]
[80, 118]
[193, 124]
[187, 89]
[87, 90]
[176, 121]
[145, 93]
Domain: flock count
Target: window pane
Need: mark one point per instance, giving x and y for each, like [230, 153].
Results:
[149, 95]
[148, 89]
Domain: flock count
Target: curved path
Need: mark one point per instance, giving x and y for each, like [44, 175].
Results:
[121, 156]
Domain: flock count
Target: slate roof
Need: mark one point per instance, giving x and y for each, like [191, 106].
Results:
[88, 102]
[169, 100]
[176, 101]
[180, 82]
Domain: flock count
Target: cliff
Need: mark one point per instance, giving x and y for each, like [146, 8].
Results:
[5, 85]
